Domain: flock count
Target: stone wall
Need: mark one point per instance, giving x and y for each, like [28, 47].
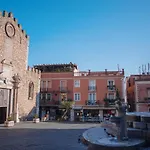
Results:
[14, 44]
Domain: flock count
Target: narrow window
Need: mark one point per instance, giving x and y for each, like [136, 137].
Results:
[31, 90]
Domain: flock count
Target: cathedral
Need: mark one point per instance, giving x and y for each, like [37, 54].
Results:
[19, 84]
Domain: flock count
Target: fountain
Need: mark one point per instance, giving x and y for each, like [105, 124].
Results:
[119, 139]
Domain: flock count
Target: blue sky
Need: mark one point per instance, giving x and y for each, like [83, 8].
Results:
[95, 34]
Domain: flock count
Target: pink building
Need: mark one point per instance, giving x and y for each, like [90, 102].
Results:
[138, 92]
[142, 93]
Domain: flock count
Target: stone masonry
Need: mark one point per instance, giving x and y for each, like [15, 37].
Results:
[14, 44]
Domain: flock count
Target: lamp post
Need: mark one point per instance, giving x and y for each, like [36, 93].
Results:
[16, 81]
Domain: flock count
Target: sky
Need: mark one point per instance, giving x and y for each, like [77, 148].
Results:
[94, 34]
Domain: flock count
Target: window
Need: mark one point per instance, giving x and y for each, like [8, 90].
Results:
[41, 84]
[110, 82]
[92, 97]
[41, 96]
[49, 96]
[92, 85]
[63, 96]
[77, 96]
[63, 83]
[31, 90]
[111, 96]
[76, 83]
[44, 84]
[111, 85]
[49, 84]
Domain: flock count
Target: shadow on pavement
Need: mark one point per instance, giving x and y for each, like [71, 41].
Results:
[40, 139]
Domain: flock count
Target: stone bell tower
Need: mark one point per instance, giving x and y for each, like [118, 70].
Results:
[14, 45]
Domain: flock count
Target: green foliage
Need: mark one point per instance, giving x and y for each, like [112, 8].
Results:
[67, 104]
[35, 116]
[10, 118]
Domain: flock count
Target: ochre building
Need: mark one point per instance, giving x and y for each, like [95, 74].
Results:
[19, 84]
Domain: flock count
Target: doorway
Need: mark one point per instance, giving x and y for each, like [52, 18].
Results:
[3, 111]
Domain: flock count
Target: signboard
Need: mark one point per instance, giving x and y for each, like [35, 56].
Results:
[4, 96]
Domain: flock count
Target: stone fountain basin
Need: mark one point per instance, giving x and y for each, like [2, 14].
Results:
[112, 142]
[99, 140]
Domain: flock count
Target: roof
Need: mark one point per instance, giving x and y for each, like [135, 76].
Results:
[56, 67]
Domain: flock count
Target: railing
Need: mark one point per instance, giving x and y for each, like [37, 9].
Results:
[50, 90]
[147, 98]
[91, 102]
[144, 100]
[92, 88]
[63, 89]
[111, 87]
[49, 102]
[99, 73]
[43, 90]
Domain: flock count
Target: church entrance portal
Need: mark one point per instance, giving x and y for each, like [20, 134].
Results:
[3, 111]
[4, 100]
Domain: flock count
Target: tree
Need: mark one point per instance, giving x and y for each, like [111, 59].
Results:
[118, 95]
[67, 105]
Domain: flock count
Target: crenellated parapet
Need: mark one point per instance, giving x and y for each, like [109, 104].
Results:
[10, 15]
[33, 70]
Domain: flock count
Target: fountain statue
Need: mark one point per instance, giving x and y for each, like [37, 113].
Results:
[120, 120]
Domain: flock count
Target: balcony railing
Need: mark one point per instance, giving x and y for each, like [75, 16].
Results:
[49, 102]
[63, 89]
[111, 87]
[92, 88]
[109, 102]
[147, 98]
[50, 90]
[43, 90]
[91, 102]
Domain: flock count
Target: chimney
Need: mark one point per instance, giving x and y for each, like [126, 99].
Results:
[105, 71]
[89, 71]
[123, 71]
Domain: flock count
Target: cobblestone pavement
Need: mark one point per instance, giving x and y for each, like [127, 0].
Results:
[43, 136]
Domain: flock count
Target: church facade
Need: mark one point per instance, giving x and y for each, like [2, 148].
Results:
[19, 84]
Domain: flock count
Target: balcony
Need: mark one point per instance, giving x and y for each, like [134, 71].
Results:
[91, 102]
[147, 99]
[63, 89]
[92, 88]
[43, 90]
[111, 87]
[44, 102]
[109, 102]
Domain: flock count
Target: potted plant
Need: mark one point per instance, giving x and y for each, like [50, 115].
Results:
[9, 122]
[36, 119]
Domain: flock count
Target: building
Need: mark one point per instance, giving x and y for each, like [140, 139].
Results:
[138, 92]
[19, 84]
[88, 90]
